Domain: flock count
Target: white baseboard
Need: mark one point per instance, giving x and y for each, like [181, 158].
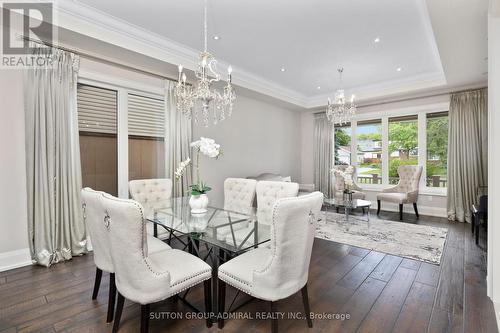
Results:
[15, 259]
[496, 306]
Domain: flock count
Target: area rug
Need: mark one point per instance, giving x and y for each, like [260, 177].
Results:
[414, 241]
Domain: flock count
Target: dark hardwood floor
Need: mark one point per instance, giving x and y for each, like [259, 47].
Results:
[380, 292]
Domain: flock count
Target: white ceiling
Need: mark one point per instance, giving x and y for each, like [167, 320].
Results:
[311, 38]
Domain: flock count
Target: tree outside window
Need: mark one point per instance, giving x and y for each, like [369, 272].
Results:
[437, 149]
[403, 144]
[369, 152]
[342, 145]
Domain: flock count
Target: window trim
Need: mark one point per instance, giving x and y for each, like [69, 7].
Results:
[123, 88]
[421, 112]
[355, 147]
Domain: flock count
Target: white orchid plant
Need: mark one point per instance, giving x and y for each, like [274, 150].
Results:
[204, 146]
[346, 174]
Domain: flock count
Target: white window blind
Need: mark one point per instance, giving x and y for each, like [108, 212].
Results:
[97, 109]
[146, 116]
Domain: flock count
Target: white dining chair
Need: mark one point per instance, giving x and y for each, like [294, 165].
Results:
[145, 277]
[239, 195]
[93, 214]
[153, 195]
[281, 270]
[268, 192]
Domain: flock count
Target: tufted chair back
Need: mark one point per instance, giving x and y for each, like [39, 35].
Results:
[409, 178]
[136, 278]
[93, 215]
[152, 194]
[292, 235]
[239, 194]
[267, 194]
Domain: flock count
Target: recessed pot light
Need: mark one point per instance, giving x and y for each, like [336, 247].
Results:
[318, 87]
[216, 37]
[399, 69]
[376, 40]
[282, 69]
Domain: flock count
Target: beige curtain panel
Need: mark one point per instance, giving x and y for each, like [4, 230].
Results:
[178, 139]
[323, 154]
[467, 151]
[55, 220]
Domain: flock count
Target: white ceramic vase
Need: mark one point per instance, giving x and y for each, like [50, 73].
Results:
[198, 203]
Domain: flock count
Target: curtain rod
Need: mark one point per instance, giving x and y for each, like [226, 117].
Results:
[423, 96]
[94, 57]
[415, 98]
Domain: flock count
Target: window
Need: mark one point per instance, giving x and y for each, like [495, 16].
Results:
[97, 123]
[403, 144]
[369, 152]
[437, 149]
[146, 137]
[342, 144]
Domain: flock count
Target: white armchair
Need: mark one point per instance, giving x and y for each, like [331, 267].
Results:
[93, 214]
[267, 194]
[144, 277]
[281, 270]
[339, 184]
[406, 191]
[152, 194]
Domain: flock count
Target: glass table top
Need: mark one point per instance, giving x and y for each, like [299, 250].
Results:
[229, 230]
[355, 203]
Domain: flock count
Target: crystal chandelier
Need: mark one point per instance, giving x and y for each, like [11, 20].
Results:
[339, 112]
[200, 101]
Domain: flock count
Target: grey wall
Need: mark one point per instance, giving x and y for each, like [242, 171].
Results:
[13, 202]
[493, 277]
[259, 137]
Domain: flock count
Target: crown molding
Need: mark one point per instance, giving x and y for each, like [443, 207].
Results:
[385, 89]
[86, 20]
[91, 22]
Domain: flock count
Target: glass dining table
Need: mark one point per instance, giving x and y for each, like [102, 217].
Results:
[215, 236]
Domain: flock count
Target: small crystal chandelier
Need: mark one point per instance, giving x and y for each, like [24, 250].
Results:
[339, 112]
[199, 100]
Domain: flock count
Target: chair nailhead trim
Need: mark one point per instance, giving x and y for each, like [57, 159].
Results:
[190, 277]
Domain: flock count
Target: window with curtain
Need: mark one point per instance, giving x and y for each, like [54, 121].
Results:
[342, 144]
[146, 137]
[437, 149]
[97, 124]
[369, 151]
[403, 144]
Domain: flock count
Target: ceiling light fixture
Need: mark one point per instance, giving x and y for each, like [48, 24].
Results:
[216, 37]
[399, 69]
[191, 100]
[340, 112]
[282, 69]
[319, 88]
[376, 40]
